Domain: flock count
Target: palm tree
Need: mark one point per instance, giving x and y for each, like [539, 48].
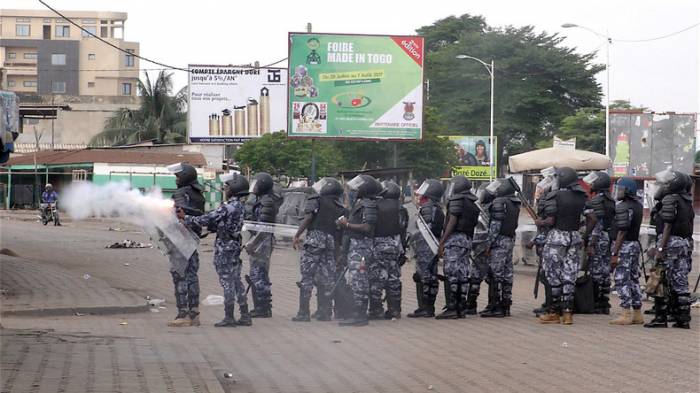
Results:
[161, 117]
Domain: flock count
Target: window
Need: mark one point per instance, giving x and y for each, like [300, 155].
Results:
[104, 32]
[30, 55]
[126, 89]
[22, 30]
[62, 31]
[58, 87]
[11, 55]
[91, 56]
[91, 29]
[29, 83]
[10, 83]
[58, 59]
[89, 21]
[91, 84]
[129, 59]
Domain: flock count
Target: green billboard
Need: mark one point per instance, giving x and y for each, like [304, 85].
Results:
[355, 86]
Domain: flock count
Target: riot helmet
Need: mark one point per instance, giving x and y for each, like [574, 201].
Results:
[598, 181]
[390, 190]
[48, 187]
[185, 174]
[235, 185]
[328, 186]
[564, 177]
[365, 186]
[688, 182]
[431, 188]
[625, 188]
[661, 191]
[458, 185]
[673, 180]
[262, 184]
[500, 187]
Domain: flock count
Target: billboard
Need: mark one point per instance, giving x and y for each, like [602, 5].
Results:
[233, 104]
[355, 86]
[473, 156]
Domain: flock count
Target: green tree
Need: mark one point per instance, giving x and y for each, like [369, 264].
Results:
[279, 155]
[538, 81]
[587, 126]
[160, 117]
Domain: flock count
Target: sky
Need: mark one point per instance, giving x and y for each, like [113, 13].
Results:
[663, 75]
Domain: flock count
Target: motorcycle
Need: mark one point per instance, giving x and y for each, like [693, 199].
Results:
[49, 213]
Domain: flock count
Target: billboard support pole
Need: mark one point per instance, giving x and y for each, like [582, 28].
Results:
[313, 161]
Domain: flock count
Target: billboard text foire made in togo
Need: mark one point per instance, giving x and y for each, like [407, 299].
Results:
[355, 86]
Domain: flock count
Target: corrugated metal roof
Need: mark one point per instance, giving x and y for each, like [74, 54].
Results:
[107, 156]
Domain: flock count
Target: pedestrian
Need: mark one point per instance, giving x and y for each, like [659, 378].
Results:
[317, 259]
[626, 252]
[455, 245]
[673, 247]
[360, 231]
[426, 276]
[262, 210]
[188, 198]
[561, 259]
[600, 214]
[227, 221]
[504, 211]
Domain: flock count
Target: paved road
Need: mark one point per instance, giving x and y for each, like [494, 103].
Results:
[138, 353]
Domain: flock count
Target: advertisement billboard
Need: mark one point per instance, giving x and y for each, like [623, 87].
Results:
[233, 104]
[355, 86]
[473, 156]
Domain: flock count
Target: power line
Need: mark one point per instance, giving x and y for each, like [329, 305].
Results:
[660, 37]
[166, 66]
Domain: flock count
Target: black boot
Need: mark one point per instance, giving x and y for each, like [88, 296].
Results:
[393, 308]
[682, 314]
[451, 306]
[491, 304]
[323, 306]
[419, 294]
[245, 319]
[376, 310]
[426, 302]
[497, 311]
[660, 320]
[303, 313]
[470, 308]
[507, 298]
[358, 318]
[229, 320]
[263, 309]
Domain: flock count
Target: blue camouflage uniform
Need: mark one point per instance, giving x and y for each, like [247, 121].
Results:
[317, 261]
[627, 275]
[227, 222]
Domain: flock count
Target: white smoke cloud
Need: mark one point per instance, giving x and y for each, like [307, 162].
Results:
[118, 201]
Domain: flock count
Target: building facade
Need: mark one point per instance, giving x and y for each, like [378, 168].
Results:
[47, 60]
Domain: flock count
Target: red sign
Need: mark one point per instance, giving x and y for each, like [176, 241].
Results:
[413, 46]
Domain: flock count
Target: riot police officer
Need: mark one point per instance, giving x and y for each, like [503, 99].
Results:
[317, 259]
[426, 275]
[504, 211]
[263, 209]
[673, 249]
[626, 252]
[563, 209]
[389, 243]
[455, 245]
[188, 198]
[599, 212]
[360, 227]
[227, 221]
[542, 188]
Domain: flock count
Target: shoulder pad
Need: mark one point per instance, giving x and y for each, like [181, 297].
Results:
[515, 200]
[577, 188]
[669, 207]
[312, 204]
[498, 209]
[471, 197]
[623, 216]
[268, 211]
[369, 210]
[456, 205]
[597, 205]
[687, 196]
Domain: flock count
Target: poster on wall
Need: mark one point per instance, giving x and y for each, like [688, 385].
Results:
[234, 104]
[473, 156]
[355, 86]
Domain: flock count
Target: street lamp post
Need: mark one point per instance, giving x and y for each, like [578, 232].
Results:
[491, 72]
[608, 41]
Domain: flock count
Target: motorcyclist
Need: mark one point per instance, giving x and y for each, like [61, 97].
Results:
[49, 197]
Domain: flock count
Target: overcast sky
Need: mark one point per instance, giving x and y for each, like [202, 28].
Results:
[663, 75]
